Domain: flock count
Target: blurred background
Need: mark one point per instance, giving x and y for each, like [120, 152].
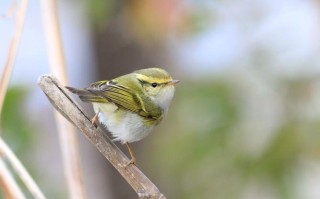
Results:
[245, 120]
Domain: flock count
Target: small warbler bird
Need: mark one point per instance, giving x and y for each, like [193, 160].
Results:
[130, 105]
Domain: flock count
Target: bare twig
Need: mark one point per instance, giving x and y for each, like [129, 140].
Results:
[60, 99]
[67, 132]
[10, 10]
[12, 52]
[20, 170]
[8, 184]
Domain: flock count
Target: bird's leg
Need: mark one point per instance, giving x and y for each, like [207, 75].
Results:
[95, 119]
[133, 159]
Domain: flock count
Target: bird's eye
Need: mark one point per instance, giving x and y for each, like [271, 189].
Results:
[154, 85]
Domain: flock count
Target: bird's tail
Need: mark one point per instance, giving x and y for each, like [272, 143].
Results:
[87, 95]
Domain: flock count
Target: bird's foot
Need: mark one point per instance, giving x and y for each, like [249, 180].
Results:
[94, 120]
[132, 161]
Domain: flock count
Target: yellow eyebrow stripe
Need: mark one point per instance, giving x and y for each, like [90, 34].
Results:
[152, 79]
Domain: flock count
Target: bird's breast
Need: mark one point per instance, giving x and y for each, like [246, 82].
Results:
[125, 126]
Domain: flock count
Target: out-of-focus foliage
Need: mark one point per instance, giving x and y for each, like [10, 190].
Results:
[229, 135]
[245, 120]
[101, 11]
[201, 151]
[150, 21]
[16, 128]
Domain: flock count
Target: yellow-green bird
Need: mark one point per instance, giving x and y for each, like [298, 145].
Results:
[130, 105]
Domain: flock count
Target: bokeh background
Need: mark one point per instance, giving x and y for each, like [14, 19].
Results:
[245, 120]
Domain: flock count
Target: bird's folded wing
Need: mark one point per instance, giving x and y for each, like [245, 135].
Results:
[119, 95]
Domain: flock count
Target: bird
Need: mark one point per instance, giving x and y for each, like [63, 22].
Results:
[130, 106]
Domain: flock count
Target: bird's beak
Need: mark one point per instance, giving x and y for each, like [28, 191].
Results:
[173, 82]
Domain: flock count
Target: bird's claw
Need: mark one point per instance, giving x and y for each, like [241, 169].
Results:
[94, 121]
[132, 161]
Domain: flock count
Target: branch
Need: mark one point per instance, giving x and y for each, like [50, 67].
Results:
[13, 49]
[10, 10]
[60, 99]
[8, 184]
[67, 132]
[7, 181]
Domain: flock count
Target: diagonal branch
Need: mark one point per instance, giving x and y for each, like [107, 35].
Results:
[60, 99]
[8, 184]
[67, 132]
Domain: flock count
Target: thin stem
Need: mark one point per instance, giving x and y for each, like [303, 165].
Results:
[67, 132]
[8, 184]
[21, 171]
[10, 11]
[12, 51]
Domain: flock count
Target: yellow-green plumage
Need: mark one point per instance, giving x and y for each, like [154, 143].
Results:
[131, 105]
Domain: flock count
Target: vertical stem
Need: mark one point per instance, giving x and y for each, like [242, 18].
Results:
[67, 133]
[13, 49]
[7, 182]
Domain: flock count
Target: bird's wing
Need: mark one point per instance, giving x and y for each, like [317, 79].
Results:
[119, 95]
[123, 97]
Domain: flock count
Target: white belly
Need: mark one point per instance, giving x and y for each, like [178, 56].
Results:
[128, 127]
